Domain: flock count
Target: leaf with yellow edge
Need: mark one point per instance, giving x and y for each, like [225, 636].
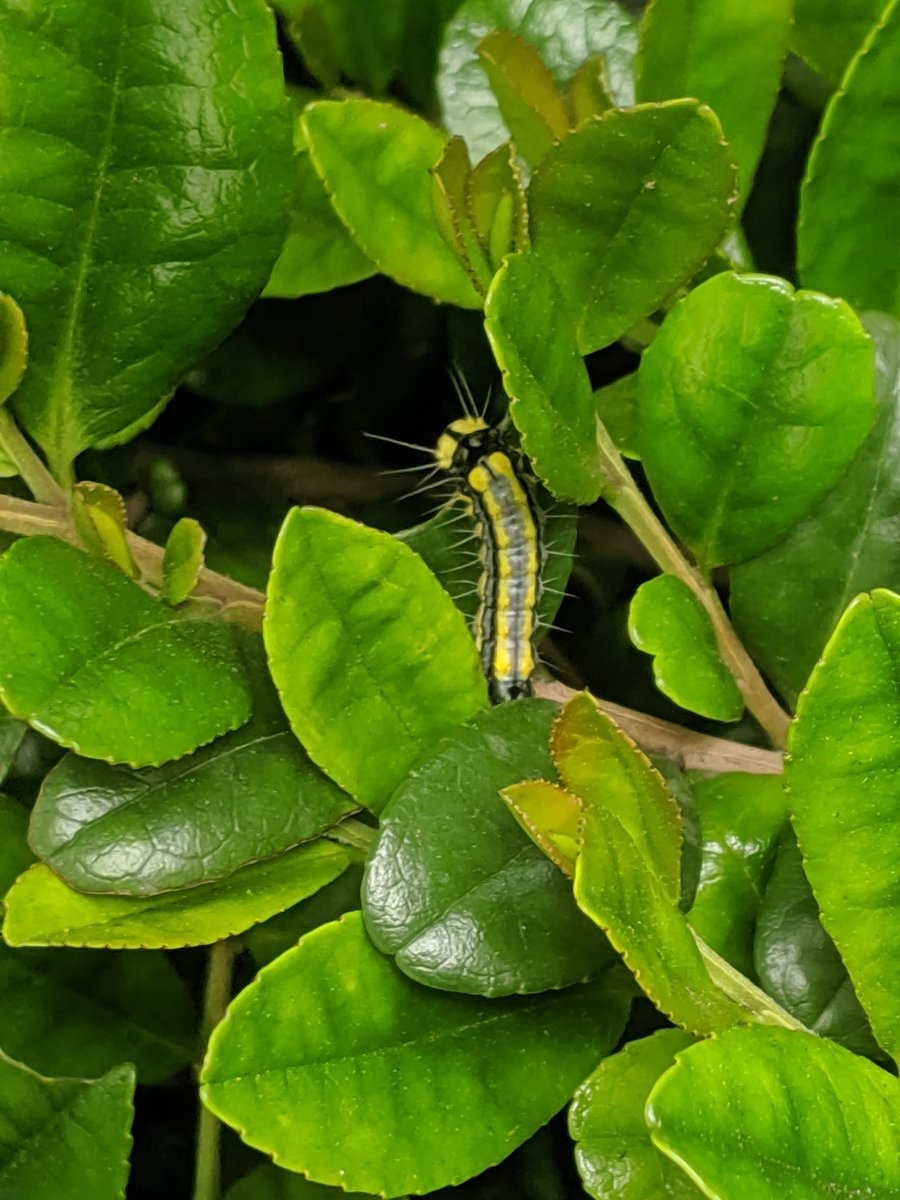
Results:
[100, 518]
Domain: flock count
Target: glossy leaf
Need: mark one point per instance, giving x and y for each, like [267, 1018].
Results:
[628, 208]
[786, 603]
[99, 515]
[64, 1137]
[798, 963]
[666, 620]
[81, 1012]
[828, 33]
[759, 1112]
[727, 53]
[531, 104]
[741, 819]
[745, 428]
[372, 660]
[406, 1061]
[617, 408]
[551, 401]
[564, 32]
[848, 211]
[42, 911]
[183, 560]
[374, 160]
[248, 796]
[115, 676]
[613, 1152]
[144, 197]
[13, 346]
[455, 890]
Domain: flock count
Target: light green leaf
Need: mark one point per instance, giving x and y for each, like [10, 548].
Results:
[565, 34]
[455, 890]
[753, 401]
[587, 94]
[497, 203]
[402, 1062]
[101, 520]
[666, 620]
[758, 1113]
[114, 676]
[129, 254]
[372, 660]
[786, 603]
[551, 816]
[613, 1152]
[551, 401]
[452, 175]
[13, 346]
[848, 208]
[375, 161]
[828, 33]
[627, 209]
[64, 1137]
[42, 911]
[841, 775]
[531, 104]
[727, 53]
[183, 560]
[81, 1012]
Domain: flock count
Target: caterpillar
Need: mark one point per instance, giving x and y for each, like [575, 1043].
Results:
[472, 456]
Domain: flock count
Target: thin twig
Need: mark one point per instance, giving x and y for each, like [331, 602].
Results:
[216, 994]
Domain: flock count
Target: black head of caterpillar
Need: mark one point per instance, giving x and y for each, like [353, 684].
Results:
[499, 498]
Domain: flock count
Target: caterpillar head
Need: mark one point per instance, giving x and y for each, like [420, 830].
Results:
[462, 442]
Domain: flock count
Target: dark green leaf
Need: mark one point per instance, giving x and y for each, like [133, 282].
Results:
[753, 401]
[564, 32]
[15, 856]
[338, 38]
[266, 941]
[372, 660]
[144, 197]
[787, 602]
[403, 1062]
[64, 1137]
[827, 33]
[628, 208]
[12, 733]
[617, 408]
[530, 102]
[455, 890]
[115, 676]
[272, 1183]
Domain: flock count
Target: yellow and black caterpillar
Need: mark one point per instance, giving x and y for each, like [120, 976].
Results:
[472, 456]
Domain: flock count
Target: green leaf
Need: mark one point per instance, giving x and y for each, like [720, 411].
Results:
[617, 408]
[282, 932]
[271, 1183]
[250, 795]
[452, 175]
[758, 1113]
[12, 733]
[613, 1152]
[80, 1012]
[15, 856]
[338, 39]
[745, 428]
[371, 658]
[551, 401]
[42, 911]
[786, 603]
[551, 816]
[848, 210]
[666, 620]
[129, 253]
[798, 963]
[497, 204]
[183, 560]
[727, 53]
[628, 208]
[455, 890]
[99, 516]
[828, 33]
[403, 1062]
[114, 676]
[841, 771]
[13, 346]
[741, 818]
[375, 161]
[564, 32]
[64, 1137]
[588, 93]
[530, 102]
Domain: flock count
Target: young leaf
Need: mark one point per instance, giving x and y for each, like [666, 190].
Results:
[588, 93]
[786, 603]
[828, 33]
[613, 1152]
[99, 515]
[373, 661]
[183, 560]
[64, 1137]
[563, 32]
[841, 772]
[550, 816]
[455, 890]
[13, 346]
[551, 401]
[727, 53]
[497, 204]
[666, 620]
[530, 102]
[114, 676]
[375, 161]
[129, 257]
[745, 428]
[452, 175]
[42, 911]
[402, 1061]
[848, 212]
[628, 208]
[761, 1112]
